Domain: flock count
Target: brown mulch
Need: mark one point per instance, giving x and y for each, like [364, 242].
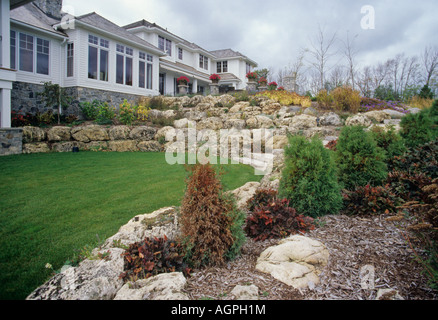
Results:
[353, 242]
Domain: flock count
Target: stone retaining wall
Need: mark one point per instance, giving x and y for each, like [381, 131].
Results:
[11, 141]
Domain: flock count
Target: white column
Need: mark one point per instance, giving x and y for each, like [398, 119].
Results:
[7, 76]
[5, 34]
[195, 85]
[5, 103]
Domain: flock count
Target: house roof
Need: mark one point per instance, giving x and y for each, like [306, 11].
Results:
[178, 66]
[97, 21]
[149, 25]
[229, 53]
[30, 15]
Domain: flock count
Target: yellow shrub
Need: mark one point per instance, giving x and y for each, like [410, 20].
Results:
[143, 113]
[324, 99]
[421, 103]
[286, 98]
[346, 99]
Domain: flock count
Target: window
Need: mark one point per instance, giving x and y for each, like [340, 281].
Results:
[98, 56]
[222, 66]
[145, 71]
[124, 65]
[43, 48]
[180, 53]
[13, 50]
[248, 68]
[203, 62]
[92, 62]
[70, 59]
[165, 45]
[26, 52]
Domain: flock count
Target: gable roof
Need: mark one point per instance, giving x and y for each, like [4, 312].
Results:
[229, 53]
[149, 25]
[32, 16]
[96, 21]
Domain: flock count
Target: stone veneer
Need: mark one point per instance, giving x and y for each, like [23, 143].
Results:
[11, 141]
[26, 99]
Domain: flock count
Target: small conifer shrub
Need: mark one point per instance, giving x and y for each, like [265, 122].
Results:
[360, 161]
[211, 224]
[309, 178]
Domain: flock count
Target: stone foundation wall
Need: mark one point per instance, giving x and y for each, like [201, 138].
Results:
[26, 99]
[11, 141]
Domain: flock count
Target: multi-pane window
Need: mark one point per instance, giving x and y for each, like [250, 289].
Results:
[248, 67]
[26, 52]
[145, 70]
[29, 53]
[222, 66]
[165, 45]
[98, 58]
[13, 49]
[124, 65]
[203, 62]
[70, 59]
[180, 53]
[43, 48]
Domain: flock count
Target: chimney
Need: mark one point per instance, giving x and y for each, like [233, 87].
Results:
[52, 8]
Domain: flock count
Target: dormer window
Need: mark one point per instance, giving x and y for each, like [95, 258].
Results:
[165, 45]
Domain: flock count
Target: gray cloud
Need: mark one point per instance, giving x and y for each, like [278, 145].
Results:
[273, 32]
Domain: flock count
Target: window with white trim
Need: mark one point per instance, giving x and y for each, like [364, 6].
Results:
[203, 62]
[180, 54]
[124, 65]
[222, 66]
[70, 59]
[29, 53]
[145, 70]
[98, 58]
[165, 45]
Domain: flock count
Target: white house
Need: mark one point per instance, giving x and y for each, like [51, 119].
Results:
[93, 58]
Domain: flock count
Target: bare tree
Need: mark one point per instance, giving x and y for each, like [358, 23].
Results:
[350, 54]
[430, 62]
[321, 52]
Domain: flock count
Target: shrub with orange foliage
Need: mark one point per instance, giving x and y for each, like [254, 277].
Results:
[211, 224]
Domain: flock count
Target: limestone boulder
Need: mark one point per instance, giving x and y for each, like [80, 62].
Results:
[394, 114]
[143, 133]
[303, 121]
[165, 286]
[235, 123]
[149, 146]
[295, 261]
[168, 133]
[244, 193]
[378, 116]
[122, 145]
[59, 133]
[184, 123]
[119, 133]
[250, 292]
[90, 133]
[271, 108]
[213, 123]
[259, 121]
[93, 279]
[358, 120]
[330, 119]
[68, 146]
[239, 106]
[36, 147]
[33, 134]
[279, 142]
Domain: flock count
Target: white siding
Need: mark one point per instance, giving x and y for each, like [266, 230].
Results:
[55, 54]
[81, 67]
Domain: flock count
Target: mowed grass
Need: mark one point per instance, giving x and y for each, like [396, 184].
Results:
[52, 205]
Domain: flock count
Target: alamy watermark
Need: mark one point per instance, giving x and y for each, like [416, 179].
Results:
[368, 21]
[225, 146]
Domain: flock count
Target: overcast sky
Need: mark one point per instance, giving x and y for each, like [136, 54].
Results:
[272, 32]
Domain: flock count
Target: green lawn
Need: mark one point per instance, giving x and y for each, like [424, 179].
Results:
[52, 205]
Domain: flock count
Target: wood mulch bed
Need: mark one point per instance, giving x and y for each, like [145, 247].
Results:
[353, 242]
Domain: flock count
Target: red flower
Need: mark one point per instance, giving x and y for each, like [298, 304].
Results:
[183, 80]
[214, 76]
